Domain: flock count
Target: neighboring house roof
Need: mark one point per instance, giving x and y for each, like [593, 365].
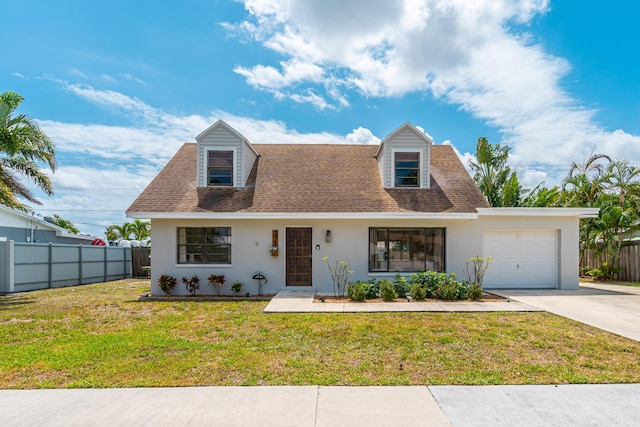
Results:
[41, 223]
[310, 178]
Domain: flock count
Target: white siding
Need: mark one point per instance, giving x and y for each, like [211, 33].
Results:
[250, 157]
[405, 140]
[251, 240]
[221, 138]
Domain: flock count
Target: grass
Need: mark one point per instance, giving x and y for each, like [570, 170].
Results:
[101, 336]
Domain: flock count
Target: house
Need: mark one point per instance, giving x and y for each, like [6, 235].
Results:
[22, 227]
[227, 206]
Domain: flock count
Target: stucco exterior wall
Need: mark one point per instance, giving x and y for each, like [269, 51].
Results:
[251, 239]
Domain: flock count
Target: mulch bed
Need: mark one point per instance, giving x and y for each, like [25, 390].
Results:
[149, 297]
[487, 297]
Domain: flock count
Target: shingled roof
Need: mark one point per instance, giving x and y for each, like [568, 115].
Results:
[305, 178]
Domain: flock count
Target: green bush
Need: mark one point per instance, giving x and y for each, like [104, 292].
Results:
[440, 285]
[373, 289]
[418, 292]
[430, 280]
[401, 286]
[474, 291]
[451, 289]
[386, 290]
[357, 291]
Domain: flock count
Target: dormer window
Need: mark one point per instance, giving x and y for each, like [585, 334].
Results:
[220, 168]
[407, 169]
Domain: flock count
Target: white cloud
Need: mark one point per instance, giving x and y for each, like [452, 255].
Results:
[466, 53]
[130, 77]
[362, 136]
[18, 75]
[102, 169]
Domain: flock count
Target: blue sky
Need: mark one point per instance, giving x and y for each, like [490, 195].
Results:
[120, 85]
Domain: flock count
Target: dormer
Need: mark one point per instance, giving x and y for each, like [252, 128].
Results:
[225, 157]
[404, 158]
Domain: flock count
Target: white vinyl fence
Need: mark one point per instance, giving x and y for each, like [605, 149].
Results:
[31, 266]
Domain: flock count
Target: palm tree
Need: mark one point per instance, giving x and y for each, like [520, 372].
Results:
[586, 181]
[621, 178]
[123, 231]
[23, 146]
[491, 173]
[61, 222]
[141, 229]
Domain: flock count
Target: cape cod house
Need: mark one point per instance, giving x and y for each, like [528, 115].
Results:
[226, 206]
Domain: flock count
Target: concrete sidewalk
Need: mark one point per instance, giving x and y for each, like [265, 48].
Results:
[538, 405]
[303, 302]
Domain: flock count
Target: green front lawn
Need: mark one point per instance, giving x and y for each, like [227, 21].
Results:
[101, 336]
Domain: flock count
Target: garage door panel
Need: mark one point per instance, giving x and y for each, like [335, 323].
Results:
[521, 258]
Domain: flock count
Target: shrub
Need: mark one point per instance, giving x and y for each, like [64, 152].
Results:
[192, 284]
[167, 283]
[430, 280]
[236, 286]
[451, 289]
[474, 291]
[418, 292]
[340, 273]
[476, 275]
[216, 280]
[386, 290]
[373, 290]
[357, 291]
[401, 286]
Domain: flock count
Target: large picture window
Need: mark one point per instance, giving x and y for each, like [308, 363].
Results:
[220, 168]
[407, 169]
[406, 249]
[204, 245]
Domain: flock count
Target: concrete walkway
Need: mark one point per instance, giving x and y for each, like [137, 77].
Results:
[613, 308]
[313, 406]
[303, 302]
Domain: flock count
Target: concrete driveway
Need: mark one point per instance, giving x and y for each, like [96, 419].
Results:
[613, 308]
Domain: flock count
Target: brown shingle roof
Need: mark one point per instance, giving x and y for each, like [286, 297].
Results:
[291, 178]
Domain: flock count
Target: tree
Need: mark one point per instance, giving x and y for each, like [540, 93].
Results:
[23, 147]
[585, 182]
[61, 222]
[137, 230]
[493, 177]
[141, 229]
[115, 232]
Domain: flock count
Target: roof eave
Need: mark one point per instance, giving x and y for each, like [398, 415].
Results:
[544, 212]
[302, 215]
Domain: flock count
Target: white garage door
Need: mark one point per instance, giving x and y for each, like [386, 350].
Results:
[521, 259]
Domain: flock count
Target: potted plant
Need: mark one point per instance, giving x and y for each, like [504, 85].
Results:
[216, 280]
[167, 283]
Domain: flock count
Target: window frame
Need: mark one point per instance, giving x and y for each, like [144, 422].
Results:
[205, 247]
[420, 153]
[234, 162]
[375, 249]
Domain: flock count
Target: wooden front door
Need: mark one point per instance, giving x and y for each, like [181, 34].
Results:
[299, 257]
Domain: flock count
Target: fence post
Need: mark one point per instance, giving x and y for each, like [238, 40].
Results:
[124, 263]
[80, 264]
[50, 265]
[7, 278]
[106, 258]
